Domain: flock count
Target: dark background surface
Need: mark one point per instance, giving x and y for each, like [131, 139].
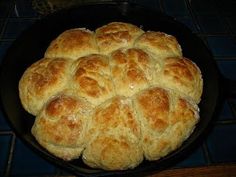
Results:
[214, 21]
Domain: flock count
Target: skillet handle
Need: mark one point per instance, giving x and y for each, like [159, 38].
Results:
[228, 87]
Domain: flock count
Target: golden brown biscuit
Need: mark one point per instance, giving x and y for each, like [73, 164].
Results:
[166, 121]
[113, 136]
[116, 35]
[41, 81]
[181, 75]
[159, 44]
[131, 70]
[91, 78]
[73, 43]
[60, 127]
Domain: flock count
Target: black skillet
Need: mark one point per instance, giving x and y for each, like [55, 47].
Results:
[31, 45]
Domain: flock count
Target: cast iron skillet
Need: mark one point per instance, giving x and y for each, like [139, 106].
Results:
[31, 45]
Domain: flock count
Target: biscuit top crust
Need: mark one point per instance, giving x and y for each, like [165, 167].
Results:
[72, 44]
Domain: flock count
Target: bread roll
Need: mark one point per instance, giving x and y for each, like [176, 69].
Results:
[113, 97]
[166, 121]
[116, 35]
[181, 75]
[131, 70]
[60, 126]
[41, 81]
[92, 78]
[73, 43]
[159, 44]
[113, 136]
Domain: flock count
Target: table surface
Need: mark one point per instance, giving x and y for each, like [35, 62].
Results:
[214, 21]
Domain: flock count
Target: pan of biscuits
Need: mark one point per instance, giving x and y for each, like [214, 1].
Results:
[109, 89]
